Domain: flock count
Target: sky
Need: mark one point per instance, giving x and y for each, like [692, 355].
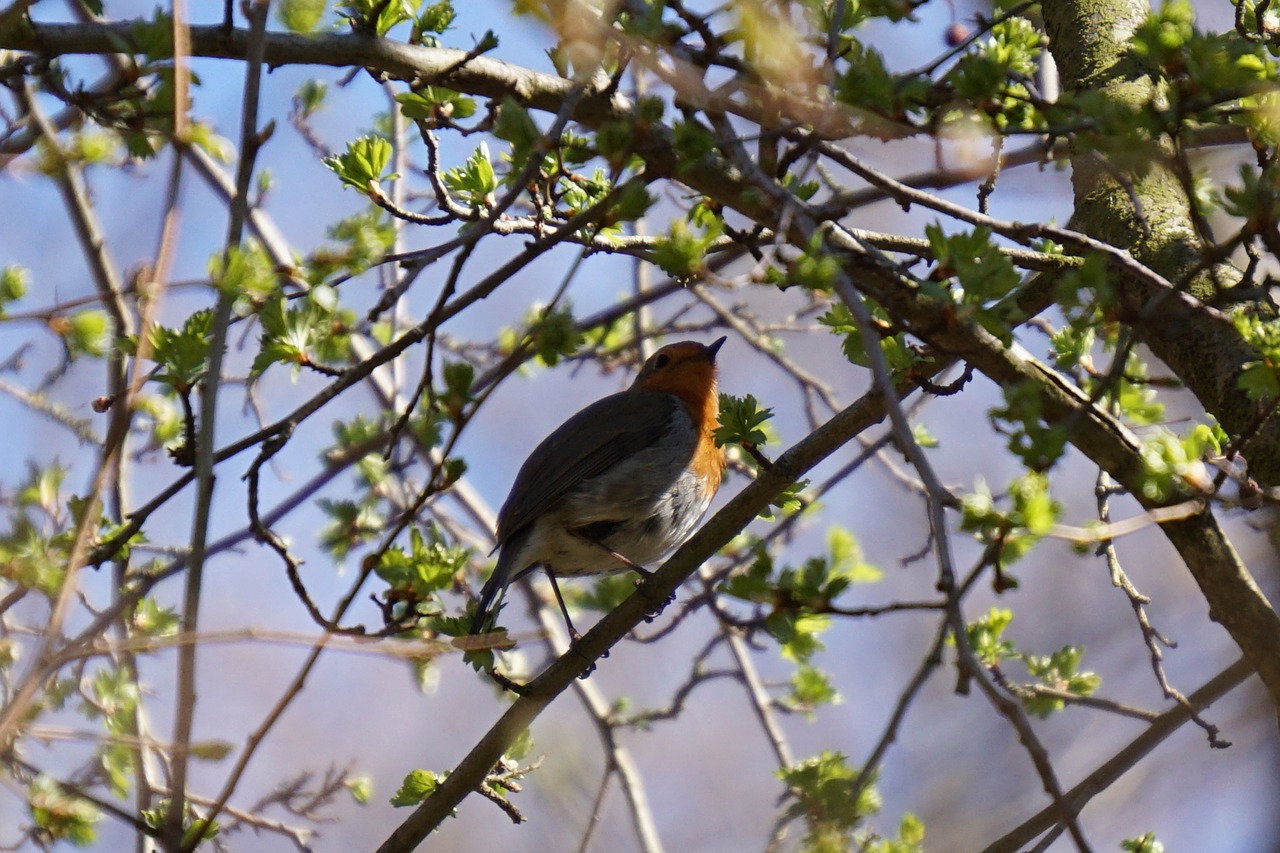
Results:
[708, 775]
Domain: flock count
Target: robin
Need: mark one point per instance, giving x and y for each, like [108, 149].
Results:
[621, 483]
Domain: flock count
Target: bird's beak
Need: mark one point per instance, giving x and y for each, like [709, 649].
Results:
[714, 348]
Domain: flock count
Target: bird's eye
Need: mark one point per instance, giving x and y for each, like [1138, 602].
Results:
[661, 360]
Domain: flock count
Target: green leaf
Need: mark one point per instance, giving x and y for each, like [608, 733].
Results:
[42, 487]
[310, 97]
[790, 500]
[845, 559]
[682, 253]
[811, 688]
[984, 272]
[377, 17]
[62, 815]
[1072, 345]
[514, 124]
[416, 787]
[814, 270]
[867, 83]
[300, 16]
[606, 593]
[521, 747]
[364, 162]
[350, 525]
[436, 18]
[1142, 844]
[85, 332]
[555, 334]
[754, 584]
[153, 38]
[156, 818]
[364, 238]
[14, 281]
[429, 566]
[1015, 531]
[798, 634]
[435, 103]
[922, 437]
[301, 333]
[990, 74]
[741, 421]
[475, 180]
[246, 272]
[1035, 509]
[898, 355]
[986, 636]
[115, 698]
[182, 354]
[821, 790]
[692, 142]
[1260, 379]
[633, 202]
[1037, 443]
[117, 763]
[1173, 466]
[151, 619]
[911, 829]
[1166, 32]
[360, 788]
[1061, 671]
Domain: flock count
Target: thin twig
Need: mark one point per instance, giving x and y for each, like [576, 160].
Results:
[1106, 775]
[250, 141]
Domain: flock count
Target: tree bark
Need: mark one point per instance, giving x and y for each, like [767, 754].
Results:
[1134, 198]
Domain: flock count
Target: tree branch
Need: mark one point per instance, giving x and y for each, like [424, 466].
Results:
[615, 625]
[1137, 749]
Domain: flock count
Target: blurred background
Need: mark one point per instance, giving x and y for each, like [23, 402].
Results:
[709, 774]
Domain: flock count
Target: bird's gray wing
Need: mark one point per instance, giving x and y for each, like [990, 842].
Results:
[590, 442]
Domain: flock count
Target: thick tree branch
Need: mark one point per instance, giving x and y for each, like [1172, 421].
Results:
[1207, 355]
[615, 625]
[1235, 601]
[1090, 42]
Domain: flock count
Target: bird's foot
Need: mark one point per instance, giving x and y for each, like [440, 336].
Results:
[577, 652]
[653, 606]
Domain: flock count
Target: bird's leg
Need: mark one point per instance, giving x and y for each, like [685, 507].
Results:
[626, 561]
[655, 607]
[574, 636]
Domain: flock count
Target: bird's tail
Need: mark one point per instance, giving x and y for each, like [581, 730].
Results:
[504, 573]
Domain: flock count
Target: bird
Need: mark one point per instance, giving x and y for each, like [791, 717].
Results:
[619, 484]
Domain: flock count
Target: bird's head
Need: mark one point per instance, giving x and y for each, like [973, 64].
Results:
[687, 370]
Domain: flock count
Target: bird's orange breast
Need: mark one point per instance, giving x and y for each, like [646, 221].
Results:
[699, 395]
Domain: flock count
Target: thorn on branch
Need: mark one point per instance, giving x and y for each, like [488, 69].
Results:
[950, 388]
[508, 685]
[765, 463]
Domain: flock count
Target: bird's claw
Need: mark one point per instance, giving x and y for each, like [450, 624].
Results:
[591, 664]
[654, 607]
